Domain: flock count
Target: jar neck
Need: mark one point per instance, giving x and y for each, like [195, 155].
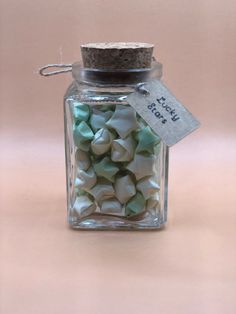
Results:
[129, 77]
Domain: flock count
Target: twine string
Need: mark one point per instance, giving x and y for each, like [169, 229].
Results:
[63, 69]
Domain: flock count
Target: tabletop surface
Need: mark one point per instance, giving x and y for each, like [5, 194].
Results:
[189, 267]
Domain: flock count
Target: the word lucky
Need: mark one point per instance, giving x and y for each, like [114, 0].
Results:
[154, 110]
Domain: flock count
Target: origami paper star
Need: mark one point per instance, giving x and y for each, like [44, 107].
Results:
[106, 168]
[80, 111]
[148, 186]
[82, 159]
[147, 140]
[83, 206]
[123, 120]
[82, 135]
[86, 179]
[102, 141]
[102, 191]
[136, 205]
[99, 118]
[124, 188]
[142, 166]
[111, 206]
[153, 202]
[123, 149]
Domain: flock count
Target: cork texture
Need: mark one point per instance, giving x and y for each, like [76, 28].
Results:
[114, 56]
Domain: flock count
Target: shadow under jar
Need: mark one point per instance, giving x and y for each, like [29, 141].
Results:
[117, 167]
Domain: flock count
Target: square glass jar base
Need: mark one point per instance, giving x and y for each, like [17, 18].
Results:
[116, 166]
[116, 224]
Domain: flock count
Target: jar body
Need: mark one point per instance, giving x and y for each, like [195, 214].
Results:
[116, 166]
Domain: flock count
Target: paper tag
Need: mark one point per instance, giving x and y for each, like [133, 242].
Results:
[162, 111]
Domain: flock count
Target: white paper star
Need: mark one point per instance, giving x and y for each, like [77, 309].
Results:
[123, 120]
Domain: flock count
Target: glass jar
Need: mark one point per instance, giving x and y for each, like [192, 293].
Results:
[116, 166]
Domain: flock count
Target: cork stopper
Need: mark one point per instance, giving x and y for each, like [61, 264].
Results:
[117, 56]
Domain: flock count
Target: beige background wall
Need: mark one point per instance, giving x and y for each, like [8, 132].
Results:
[187, 268]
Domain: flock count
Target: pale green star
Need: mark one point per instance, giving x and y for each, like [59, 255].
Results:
[80, 111]
[106, 168]
[135, 205]
[82, 136]
[147, 140]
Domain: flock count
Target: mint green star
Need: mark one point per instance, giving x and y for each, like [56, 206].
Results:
[147, 140]
[106, 168]
[82, 136]
[80, 111]
[135, 205]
